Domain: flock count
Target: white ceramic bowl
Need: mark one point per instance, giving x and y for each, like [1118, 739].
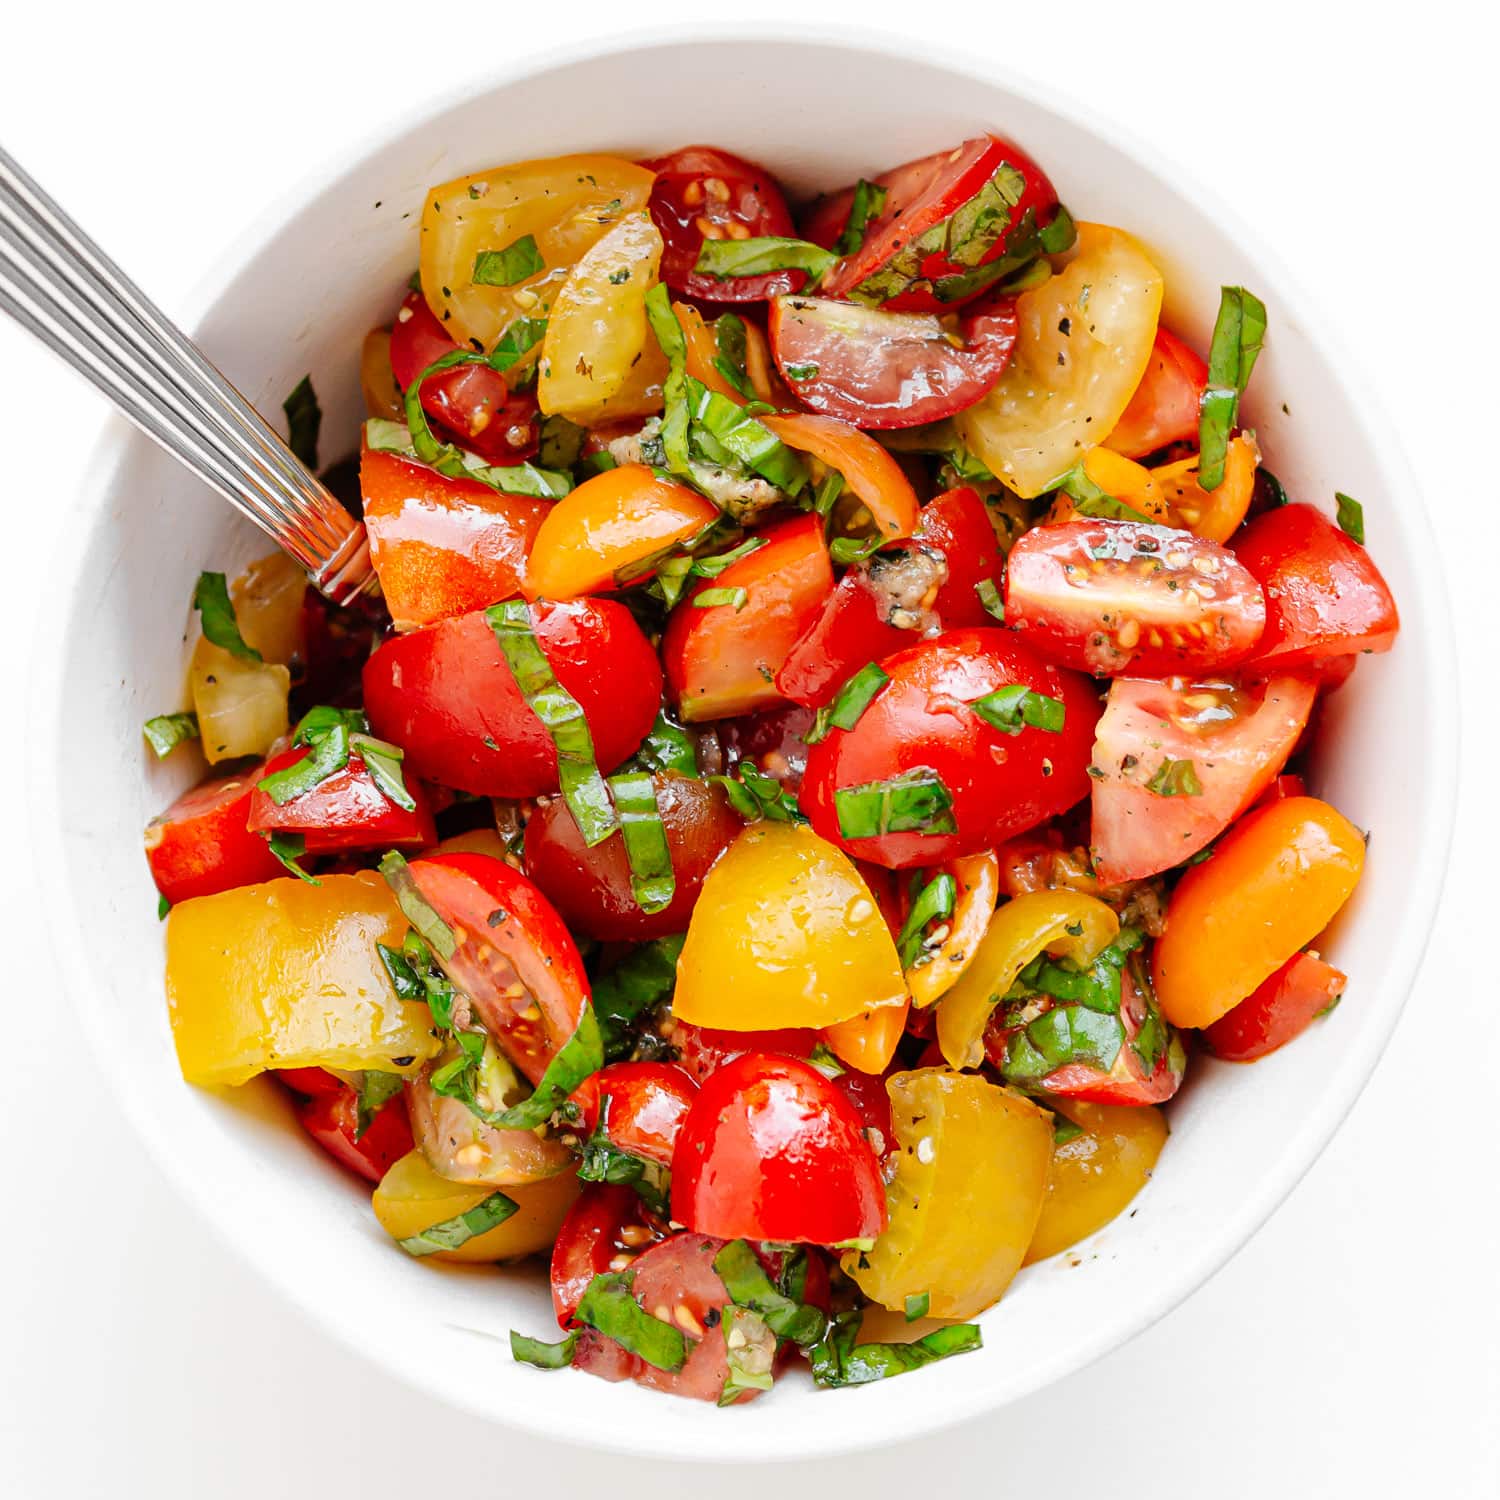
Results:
[298, 296]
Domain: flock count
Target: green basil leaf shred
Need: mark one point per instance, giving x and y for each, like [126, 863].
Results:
[216, 614]
[917, 801]
[755, 794]
[383, 762]
[868, 203]
[989, 597]
[449, 1234]
[166, 732]
[1239, 332]
[416, 908]
[1089, 500]
[1176, 778]
[760, 255]
[376, 1090]
[1351, 516]
[651, 879]
[327, 758]
[839, 1361]
[578, 1058]
[515, 263]
[541, 1355]
[668, 747]
[716, 598]
[642, 980]
[304, 421]
[730, 345]
[609, 1307]
[1012, 708]
[748, 1285]
[933, 902]
[289, 848]
[917, 1305]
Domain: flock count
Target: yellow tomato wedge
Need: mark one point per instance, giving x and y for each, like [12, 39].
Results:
[1097, 1172]
[241, 705]
[867, 1042]
[977, 877]
[785, 933]
[614, 520]
[1085, 338]
[563, 205]
[1215, 514]
[377, 381]
[285, 975]
[411, 1198]
[600, 360]
[267, 599]
[971, 1173]
[1062, 923]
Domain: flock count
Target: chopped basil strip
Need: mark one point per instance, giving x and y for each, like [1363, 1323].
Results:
[651, 880]
[828, 492]
[729, 361]
[327, 757]
[289, 848]
[560, 444]
[578, 1057]
[376, 1090]
[506, 267]
[383, 762]
[748, 1285]
[1176, 778]
[304, 420]
[868, 203]
[603, 1161]
[163, 906]
[801, 372]
[855, 549]
[609, 1306]
[934, 902]
[754, 794]
[518, 340]
[562, 716]
[1269, 493]
[917, 801]
[416, 908]
[1059, 1037]
[715, 598]
[457, 463]
[1089, 500]
[166, 732]
[1351, 516]
[917, 1305]
[1063, 1131]
[542, 1355]
[642, 980]
[1239, 331]
[826, 1061]
[989, 597]
[674, 422]
[736, 431]
[668, 747]
[724, 259]
[216, 613]
[849, 703]
[459, 1230]
[839, 1361]
[1012, 708]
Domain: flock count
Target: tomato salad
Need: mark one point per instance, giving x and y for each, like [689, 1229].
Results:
[823, 757]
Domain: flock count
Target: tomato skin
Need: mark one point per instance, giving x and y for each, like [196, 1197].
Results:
[312, 1082]
[1118, 597]
[442, 692]
[721, 661]
[920, 195]
[880, 369]
[750, 198]
[771, 1150]
[957, 524]
[344, 811]
[1135, 831]
[332, 1120]
[1282, 1007]
[509, 933]
[647, 1104]
[591, 887]
[1324, 594]
[1001, 784]
[201, 845]
[1164, 408]
[607, 1220]
[472, 402]
[1286, 785]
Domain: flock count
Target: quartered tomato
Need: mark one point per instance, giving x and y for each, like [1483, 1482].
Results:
[951, 224]
[201, 845]
[1164, 408]
[1110, 597]
[1281, 1009]
[591, 887]
[647, 1102]
[1324, 595]
[448, 697]
[607, 1224]
[771, 1150]
[442, 546]
[514, 959]
[473, 403]
[702, 193]
[332, 1120]
[886, 369]
[722, 660]
[1000, 784]
[1233, 737]
[344, 811]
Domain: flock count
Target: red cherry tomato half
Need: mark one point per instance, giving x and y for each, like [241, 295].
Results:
[608, 1223]
[1236, 738]
[1324, 595]
[957, 524]
[1111, 597]
[332, 1120]
[344, 811]
[924, 196]
[1164, 408]
[647, 1104]
[722, 660]
[703, 193]
[447, 696]
[591, 886]
[771, 1150]
[882, 369]
[201, 845]
[515, 960]
[1001, 784]
[1281, 1008]
[471, 402]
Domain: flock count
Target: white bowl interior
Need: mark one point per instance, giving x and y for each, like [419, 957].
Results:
[302, 301]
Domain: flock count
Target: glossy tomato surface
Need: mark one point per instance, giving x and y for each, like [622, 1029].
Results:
[1164, 408]
[201, 844]
[1281, 1009]
[343, 811]
[448, 697]
[1000, 784]
[332, 1120]
[643, 1103]
[771, 1150]
[606, 1224]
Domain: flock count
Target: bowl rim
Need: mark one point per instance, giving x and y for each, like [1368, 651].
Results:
[1435, 641]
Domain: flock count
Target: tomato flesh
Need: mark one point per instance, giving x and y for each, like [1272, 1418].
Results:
[1111, 597]
[882, 369]
[1281, 1009]
[647, 1104]
[332, 1120]
[447, 696]
[201, 844]
[606, 1223]
[344, 811]
[1164, 408]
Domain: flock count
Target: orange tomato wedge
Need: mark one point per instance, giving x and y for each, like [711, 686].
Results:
[867, 1042]
[702, 349]
[1215, 514]
[978, 879]
[869, 471]
[621, 517]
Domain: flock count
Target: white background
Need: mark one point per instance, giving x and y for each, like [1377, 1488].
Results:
[1351, 1349]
